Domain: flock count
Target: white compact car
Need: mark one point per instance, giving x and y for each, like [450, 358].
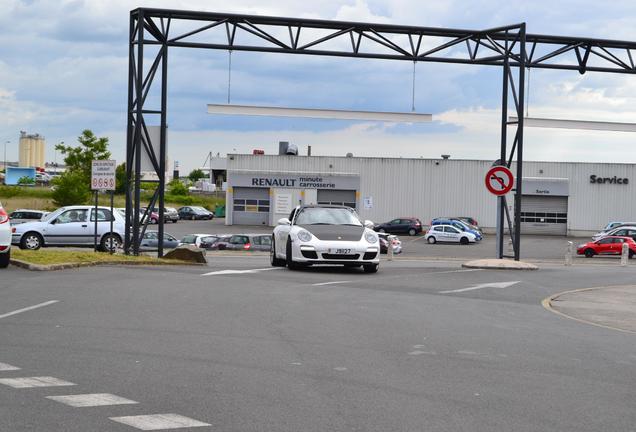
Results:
[5, 238]
[72, 226]
[321, 234]
[448, 233]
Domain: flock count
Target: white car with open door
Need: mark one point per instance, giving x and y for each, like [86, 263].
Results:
[321, 234]
[5, 238]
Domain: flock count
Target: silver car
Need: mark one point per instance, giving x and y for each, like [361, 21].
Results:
[72, 226]
[150, 241]
[20, 216]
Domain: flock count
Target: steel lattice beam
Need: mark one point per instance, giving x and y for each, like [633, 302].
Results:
[508, 47]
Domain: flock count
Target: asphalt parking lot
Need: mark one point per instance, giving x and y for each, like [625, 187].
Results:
[538, 248]
[238, 345]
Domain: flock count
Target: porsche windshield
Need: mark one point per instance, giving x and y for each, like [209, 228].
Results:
[327, 216]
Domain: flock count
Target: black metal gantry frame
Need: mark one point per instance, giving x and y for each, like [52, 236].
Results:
[508, 47]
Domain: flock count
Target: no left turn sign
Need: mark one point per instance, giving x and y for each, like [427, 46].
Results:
[499, 180]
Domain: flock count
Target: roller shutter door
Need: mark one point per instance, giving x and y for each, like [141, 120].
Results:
[337, 197]
[546, 215]
[250, 206]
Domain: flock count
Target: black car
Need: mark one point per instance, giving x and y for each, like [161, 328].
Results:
[194, 213]
[407, 225]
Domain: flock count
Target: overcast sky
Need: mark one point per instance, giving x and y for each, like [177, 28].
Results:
[63, 68]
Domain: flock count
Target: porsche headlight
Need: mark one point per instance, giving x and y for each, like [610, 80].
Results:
[304, 235]
[370, 237]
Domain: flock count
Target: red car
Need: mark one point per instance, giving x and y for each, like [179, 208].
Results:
[611, 245]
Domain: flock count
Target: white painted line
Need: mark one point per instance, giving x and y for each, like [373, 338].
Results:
[91, 400]
[159, 421]
[455, 271]
[229, 272]
[29, 382]
[330, 283]
[498, 285]
[15, 312]
[7, 367]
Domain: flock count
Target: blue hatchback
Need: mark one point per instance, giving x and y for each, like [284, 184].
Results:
[459, 224]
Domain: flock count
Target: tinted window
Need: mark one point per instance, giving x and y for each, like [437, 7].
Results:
[605, 241]
[394, 222]
[450, 229]
[265, 240]
[239, 240]
[168, 237]
[256, 240]
[438, 228]
[150, 236]
[17, 215]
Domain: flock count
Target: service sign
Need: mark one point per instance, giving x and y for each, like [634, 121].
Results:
[103, 175]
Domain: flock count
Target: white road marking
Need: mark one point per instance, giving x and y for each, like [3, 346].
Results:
[159, 421]
[15, 312]
[330, 283]
[29, 382]
[456, 271]
[418, 352]
[229, 272]
[91, 400]
[340, 369]
[7, 367]
[498, 285]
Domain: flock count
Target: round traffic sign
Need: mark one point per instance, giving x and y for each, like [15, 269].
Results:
[499, 180]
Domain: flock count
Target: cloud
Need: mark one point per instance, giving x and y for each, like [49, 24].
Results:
[65, 63]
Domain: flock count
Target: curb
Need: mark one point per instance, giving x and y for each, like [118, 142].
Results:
[499, 264]
[63, 266]
[547, 304]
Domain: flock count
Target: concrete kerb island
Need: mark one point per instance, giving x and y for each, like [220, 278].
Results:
[610, 307]
[499, 264]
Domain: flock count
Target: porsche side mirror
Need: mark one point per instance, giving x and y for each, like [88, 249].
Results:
[369, 224]
[284, 221]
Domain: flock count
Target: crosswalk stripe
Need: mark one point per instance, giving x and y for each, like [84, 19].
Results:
[28, 382]
[159, 421]
[91, 400]
[7, 367]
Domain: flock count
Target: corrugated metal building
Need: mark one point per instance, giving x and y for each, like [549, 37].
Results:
[560, 197]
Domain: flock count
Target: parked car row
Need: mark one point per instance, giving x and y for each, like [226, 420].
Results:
[610, 240]
[248, 242]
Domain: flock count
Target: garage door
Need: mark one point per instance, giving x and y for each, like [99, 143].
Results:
[337, 197]
[544, 215]
[250, 206]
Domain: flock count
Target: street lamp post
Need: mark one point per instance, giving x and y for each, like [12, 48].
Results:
[5, 160]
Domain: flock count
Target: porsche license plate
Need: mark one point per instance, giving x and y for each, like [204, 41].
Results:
[340, 251]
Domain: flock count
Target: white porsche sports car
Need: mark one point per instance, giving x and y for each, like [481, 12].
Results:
[321, 234]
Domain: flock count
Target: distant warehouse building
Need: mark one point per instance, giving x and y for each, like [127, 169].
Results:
[559, 198]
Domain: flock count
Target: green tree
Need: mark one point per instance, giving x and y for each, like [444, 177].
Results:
[195, 175]
[25, 180]
[120, 178]
[71, 188]
[78, 159]
[177, 188]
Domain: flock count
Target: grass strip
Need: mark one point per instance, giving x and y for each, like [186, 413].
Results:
[56, 256]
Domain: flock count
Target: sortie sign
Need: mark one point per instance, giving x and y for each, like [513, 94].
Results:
[499, 180]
